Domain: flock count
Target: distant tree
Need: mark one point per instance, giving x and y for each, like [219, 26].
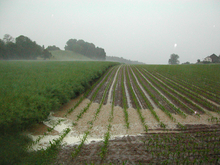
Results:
[198, 61]
[7, 38]
[2, 50]
[69, 44]
[46, 54]
[85, 48]
[51, 48]
[186, 63]
[27, 49]
[173, 59]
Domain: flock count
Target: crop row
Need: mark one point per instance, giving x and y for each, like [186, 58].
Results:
[197, 147]
[78, 148]
[201, 77]
[202, 101]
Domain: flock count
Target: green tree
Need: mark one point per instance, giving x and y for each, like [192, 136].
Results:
[173, 59]
[46, 54]
[51, 48]
[26, 48]
[8, 38]
[85, 48]
[2, 50]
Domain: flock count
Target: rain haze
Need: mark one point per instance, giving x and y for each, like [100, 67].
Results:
[146, 31]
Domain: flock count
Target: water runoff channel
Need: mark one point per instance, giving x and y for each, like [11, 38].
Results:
[59, 124]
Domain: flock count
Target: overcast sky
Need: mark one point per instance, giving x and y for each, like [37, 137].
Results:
[147, 31]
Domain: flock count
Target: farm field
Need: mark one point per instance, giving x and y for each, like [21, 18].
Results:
[140, 114]
[30, 90]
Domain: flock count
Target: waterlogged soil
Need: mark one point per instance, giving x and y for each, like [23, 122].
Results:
[141, 148]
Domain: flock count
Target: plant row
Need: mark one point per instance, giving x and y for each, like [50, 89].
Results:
[133, 96]
[190, 94]
[124, 99]
[104, 147]
[205, 77]
[171, 94]
[153, 97]
[158, 97]
[78, 148]
[184, 148]
[187, 85]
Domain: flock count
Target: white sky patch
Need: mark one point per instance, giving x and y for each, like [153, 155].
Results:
[52, 15]
[213, 26]
[175, 45]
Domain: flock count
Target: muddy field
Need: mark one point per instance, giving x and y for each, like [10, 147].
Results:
[142, 97]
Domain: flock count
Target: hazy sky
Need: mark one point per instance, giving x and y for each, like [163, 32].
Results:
[147, 30]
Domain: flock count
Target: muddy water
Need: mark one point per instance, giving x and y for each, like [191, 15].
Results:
[136, 126]
[118, 123]
[73, 115]
[82, 124]
[101, 123]
[111, 88]
[150, 120]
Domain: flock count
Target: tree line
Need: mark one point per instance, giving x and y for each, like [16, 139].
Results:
[23, 47]
[85, 48]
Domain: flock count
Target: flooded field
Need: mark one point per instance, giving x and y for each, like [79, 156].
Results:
[126, 105]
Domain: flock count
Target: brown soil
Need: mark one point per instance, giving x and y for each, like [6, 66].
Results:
[40, 129]
[64, 108]
[140, 149]
[118, 90]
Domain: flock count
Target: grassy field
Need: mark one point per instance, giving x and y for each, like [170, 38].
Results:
[68, 56]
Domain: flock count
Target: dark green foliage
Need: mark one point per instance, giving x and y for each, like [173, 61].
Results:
[22, 48]
[85, 48]
[13, 148]
[46, 54]
[51, 48]
[174, 59]
[30, 90]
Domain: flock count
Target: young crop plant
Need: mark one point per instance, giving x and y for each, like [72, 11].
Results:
[180, 95]
[147, 101]
[154, 98]
[77, 150]
[161, 95]
[125, 107]
[93, 96]
[162, 88]
[136, 102]
[193, 91]
[190, 94]
[107, 135]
